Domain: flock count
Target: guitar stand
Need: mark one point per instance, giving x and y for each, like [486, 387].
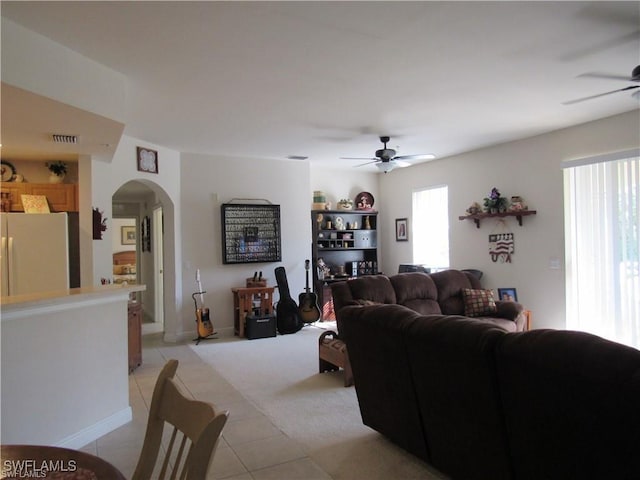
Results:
[199, 337]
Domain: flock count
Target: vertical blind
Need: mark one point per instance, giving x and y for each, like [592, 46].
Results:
[602, 207]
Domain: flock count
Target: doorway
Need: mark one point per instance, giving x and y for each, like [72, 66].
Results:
[138, 201]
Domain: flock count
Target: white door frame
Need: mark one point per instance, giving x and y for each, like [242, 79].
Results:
[158, 263]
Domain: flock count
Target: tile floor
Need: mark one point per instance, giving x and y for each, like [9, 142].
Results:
[252, 448]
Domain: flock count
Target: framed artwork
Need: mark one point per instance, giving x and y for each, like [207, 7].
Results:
[402, 230]
[250, 233]
[35, 203]
[147, 160]
[128, 235]
[507, 294]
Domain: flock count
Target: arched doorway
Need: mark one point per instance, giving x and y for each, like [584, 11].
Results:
[138, 205]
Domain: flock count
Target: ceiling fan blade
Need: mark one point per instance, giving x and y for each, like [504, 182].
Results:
[400, 163]
[358, 158]
[423, 156]
[365, 163]
[606, 76]
[578, 100]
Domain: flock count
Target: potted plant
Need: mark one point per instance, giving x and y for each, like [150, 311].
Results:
[495, 202]
[58, 170]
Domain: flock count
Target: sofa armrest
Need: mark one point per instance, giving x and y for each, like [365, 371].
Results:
[508, 310]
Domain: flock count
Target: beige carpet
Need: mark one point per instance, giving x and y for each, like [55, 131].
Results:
[280, 377]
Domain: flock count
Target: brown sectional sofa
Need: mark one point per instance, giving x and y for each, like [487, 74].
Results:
[477, 402]
[435, 293]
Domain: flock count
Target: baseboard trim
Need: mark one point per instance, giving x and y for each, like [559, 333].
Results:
[97, 430]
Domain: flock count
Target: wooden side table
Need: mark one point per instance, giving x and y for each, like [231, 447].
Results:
[527, 315]
[247, 300]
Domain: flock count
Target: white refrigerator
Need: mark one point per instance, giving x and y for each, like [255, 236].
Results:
[34, 253]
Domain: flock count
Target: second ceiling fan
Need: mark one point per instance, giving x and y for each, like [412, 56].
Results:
[386, 158]
[635, 77]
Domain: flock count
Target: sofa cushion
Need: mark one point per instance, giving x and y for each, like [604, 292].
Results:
[478, 302]
[381, 372]
[376, 289]
[571, 403]
[450, 284]
[416, 291]
[453, 370]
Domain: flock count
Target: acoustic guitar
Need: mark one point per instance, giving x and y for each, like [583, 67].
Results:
[288, 318]
[308, 301]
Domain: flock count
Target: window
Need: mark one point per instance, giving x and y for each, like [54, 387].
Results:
[430, 224]
[602, 243]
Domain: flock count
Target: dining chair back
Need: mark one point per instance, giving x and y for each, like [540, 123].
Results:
[197, 427]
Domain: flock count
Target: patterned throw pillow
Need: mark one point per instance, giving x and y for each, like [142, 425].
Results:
[478, 302]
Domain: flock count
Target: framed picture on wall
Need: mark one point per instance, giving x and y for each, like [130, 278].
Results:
[402, 230]
[147, 160]
[128, 235]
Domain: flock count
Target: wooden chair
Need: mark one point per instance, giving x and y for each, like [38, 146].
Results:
[199, 425]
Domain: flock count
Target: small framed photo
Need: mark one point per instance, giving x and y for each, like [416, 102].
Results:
[402, 230]
[128, 235]
[147, 160]
[507, 294]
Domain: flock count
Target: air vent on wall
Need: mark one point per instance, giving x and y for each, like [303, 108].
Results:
[58, 138]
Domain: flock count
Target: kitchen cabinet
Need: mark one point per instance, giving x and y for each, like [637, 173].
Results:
[62, 197]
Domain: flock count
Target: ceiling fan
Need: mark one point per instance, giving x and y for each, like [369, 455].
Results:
[386, 158]
[635, 77]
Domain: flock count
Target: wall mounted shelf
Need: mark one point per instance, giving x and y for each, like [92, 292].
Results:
[479, 216]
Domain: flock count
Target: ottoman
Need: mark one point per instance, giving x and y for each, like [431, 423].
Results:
[332, 353]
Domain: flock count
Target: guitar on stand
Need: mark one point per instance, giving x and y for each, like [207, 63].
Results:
[308, 301]
[204, 325]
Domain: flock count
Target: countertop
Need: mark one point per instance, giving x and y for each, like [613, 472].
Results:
[61, 297]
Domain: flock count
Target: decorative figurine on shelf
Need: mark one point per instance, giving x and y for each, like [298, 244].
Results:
[517, 204]
[474, 209]
[323, 270]
[495, 203]
[345, 204]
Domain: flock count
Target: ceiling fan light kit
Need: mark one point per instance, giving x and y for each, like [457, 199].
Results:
[385, 167]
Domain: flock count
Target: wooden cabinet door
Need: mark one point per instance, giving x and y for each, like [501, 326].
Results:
[15, 189]
[61, 197]
[135, 335]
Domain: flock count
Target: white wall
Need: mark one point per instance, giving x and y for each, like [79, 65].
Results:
[529, 168]
[209, 181]
[106, 179]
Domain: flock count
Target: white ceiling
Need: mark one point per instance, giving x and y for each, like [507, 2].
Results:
[325, 79]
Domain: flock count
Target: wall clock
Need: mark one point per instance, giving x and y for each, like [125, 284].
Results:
[147, 160]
